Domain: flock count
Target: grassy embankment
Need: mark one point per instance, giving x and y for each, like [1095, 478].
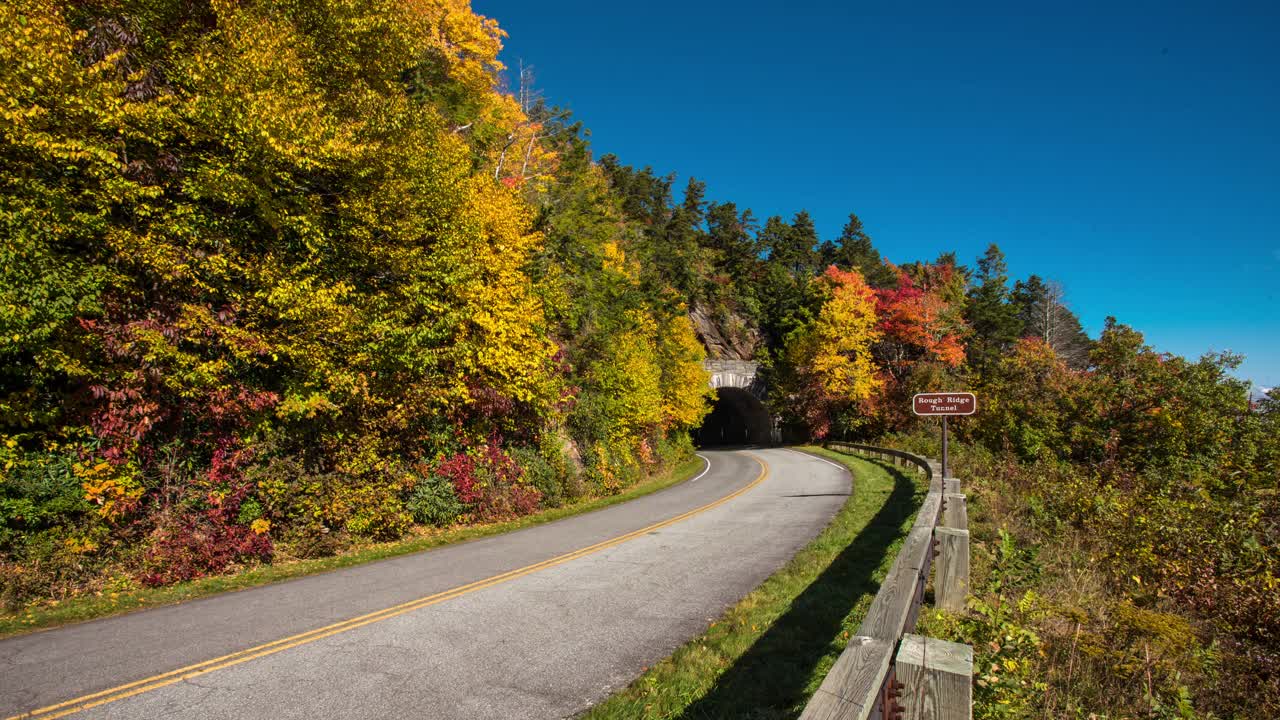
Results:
[767, 655]
[53, 613]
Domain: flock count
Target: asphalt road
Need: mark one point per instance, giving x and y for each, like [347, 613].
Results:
[539, 623]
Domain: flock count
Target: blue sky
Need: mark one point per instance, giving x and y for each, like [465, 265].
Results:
[1131, 152]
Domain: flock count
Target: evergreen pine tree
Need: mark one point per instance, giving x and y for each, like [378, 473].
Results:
[857, 252]
[994, 319]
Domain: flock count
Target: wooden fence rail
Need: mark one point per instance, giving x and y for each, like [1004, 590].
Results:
[881, 676]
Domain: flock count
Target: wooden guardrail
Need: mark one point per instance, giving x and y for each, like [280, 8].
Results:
[885, 672]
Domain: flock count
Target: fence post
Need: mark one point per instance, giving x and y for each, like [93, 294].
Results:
[937, 679]
[955, 512]
[951, 584]
[951, 486]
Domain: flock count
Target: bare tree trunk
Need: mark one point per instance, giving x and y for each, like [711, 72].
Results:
[502, 158]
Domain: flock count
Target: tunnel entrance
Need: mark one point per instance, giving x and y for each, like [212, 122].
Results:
[737, 418]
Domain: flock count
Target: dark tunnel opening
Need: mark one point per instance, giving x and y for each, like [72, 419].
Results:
[737, 418]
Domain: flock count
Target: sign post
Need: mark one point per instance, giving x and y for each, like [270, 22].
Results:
[944, 405]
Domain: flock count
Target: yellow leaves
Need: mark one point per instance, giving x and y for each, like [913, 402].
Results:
[261, 526]
[686, 387]
[113, 488]
[629, 379]
[295, 407]
[79, 545]
[837, 351]
[504, 345]
[616, 261]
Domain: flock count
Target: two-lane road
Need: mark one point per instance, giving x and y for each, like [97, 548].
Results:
[539, 623]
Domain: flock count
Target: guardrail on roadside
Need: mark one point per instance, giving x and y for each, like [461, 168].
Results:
[886, 672]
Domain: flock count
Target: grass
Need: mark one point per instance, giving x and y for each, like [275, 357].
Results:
[54, 613]
[766, 656]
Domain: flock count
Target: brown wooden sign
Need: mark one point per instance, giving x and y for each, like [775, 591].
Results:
[956, 403]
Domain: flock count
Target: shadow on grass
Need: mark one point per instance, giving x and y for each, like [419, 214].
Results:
[769, 680]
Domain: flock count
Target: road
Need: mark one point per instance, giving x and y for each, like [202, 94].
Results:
[539, 623]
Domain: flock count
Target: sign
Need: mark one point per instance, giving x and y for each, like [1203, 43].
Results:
[957, 403]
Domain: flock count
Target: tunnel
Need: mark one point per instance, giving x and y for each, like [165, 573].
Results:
[737, 418]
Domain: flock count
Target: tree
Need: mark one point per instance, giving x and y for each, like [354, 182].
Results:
[830, 359]
[646, 197]
[990, 312]
[921, 322]
[856, 251]
[686, 386]
[792, 246]
[922, 339]
[1028, 396]
[1044, 314]
[676, 251]
[729, 236]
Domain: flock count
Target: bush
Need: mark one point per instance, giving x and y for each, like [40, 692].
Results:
[41, 490]
[311, 505]
[490, 483]
[541, 475]
[434, 502]
[190, 547]
[1151, 588]
[675, 448]
[201, 534]
[368, 507]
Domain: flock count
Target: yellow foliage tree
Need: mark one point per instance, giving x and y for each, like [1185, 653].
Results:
[686, 387]
[831, 357]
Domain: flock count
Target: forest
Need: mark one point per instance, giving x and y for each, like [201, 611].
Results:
[283, 278]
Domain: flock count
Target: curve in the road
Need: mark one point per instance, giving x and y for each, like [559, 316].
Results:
[138, 687]
[71, 660]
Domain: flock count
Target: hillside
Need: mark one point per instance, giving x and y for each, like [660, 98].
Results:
[281, 279]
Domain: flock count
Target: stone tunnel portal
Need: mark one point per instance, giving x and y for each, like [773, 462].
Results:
[737, 417]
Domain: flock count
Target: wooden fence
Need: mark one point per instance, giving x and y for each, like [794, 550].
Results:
[887, 673]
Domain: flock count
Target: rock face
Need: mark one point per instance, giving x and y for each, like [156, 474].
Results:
[727, 337]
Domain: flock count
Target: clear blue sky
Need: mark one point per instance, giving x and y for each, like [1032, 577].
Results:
[1130, 152]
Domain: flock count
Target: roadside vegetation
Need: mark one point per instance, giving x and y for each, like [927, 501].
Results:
[113, 602]
[768, 653]
[1126, 519]
[278, 280]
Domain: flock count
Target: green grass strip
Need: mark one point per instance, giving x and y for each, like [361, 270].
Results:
[767, 655]
[90, 607]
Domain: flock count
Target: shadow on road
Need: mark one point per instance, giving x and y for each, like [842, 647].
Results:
[769, 679]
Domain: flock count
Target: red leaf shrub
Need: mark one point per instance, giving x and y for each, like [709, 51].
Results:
[206, 538]
[489, 482]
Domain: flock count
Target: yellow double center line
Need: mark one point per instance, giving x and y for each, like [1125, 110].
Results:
[156, 682]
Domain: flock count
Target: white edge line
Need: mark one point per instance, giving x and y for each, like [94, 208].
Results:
[820, 459]
[705, 470]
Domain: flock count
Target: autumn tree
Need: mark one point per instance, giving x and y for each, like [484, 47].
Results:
[1029, 398]
[829, 360]
[918, 323]
[298, 258]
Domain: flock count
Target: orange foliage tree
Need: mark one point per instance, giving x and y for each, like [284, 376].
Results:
[922, 332]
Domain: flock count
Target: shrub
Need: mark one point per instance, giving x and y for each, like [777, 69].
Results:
[539, 473]
[193, 546]
[368, 507]
[40, 491]
[675, 448]
[434, 501]
[202, 534]
[490, 483]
